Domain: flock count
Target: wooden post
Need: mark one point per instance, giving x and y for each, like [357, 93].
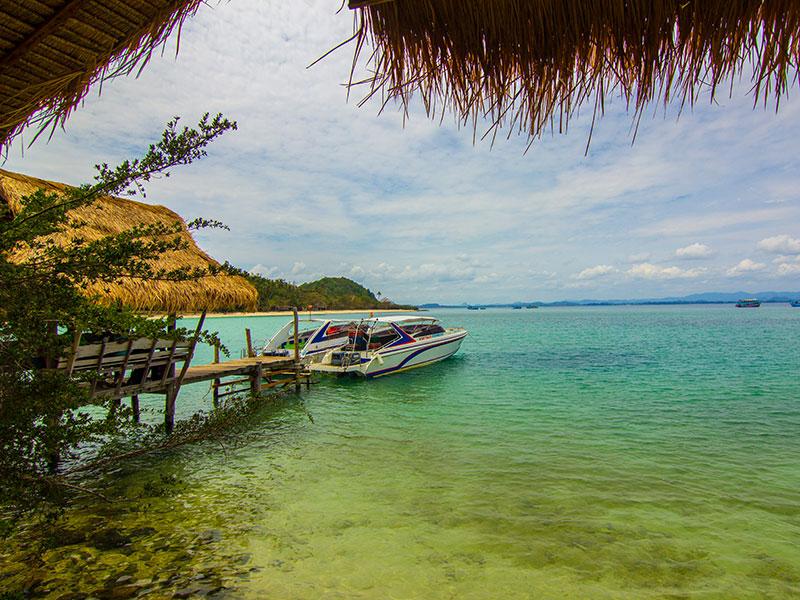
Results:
[255, 382]
[216, 382]
[169, 409]
[169, 373]
[296, 350]
[135, 407]
[250, 352]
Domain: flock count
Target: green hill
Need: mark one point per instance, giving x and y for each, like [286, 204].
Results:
[331, 293]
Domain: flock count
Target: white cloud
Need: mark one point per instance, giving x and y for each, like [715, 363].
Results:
[694, 251]
[651, 271]
[788, 269]
[639, 257]
[595, 272]
[780, 244]
[298, 268]
[264, 270]
[716, 221]
[744, 267]
[487, 278]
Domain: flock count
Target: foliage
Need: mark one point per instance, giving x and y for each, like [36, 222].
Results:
[332, 293]
[43, 413]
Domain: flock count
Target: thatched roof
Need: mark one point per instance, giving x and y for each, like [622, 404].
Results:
[531, 63]
[51, 51]
[110, 215]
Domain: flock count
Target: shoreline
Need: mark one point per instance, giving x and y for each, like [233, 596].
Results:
[289, 313]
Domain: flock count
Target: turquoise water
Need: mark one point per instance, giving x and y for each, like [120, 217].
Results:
[637, 452]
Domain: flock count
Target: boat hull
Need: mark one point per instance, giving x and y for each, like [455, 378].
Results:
[419, 355]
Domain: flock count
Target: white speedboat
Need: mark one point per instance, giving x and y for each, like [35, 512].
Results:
[382, 345]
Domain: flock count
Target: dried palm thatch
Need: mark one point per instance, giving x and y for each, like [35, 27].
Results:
[109, 216]
[531, 64]
[52, 51]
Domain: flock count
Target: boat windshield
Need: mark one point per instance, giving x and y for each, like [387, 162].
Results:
[421, 329]
[375, 337]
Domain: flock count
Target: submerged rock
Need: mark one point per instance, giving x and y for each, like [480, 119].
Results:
[109, 539]
[143, 532]
[119, 592]
[72, 596]
[209, 535]
[67, 537]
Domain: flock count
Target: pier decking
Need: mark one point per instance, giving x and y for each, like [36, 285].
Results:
[127, 368]
[239, 366]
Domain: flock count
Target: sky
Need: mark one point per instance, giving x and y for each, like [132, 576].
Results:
[312, 184]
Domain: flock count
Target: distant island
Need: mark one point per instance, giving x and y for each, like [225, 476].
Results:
[328, 293]
[702, 298]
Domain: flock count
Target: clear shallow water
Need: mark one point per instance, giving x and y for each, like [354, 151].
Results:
[596, 452]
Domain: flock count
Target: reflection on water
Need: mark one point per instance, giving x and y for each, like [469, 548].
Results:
[594, 452]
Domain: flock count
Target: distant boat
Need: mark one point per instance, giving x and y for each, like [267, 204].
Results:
[517, 307]
[472, 308]
[795, 303]
[748, 303]
[481, 308]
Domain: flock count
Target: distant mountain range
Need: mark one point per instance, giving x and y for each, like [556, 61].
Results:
[704, 298]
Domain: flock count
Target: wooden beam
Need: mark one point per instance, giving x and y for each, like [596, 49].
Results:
[149, 360]
[124, 366]
[76, 342]
[37, 35]
[175, 387]
[99, 370]
[169, 368]
[190, 355]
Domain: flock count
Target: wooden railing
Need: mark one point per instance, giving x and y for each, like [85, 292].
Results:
[130, 367]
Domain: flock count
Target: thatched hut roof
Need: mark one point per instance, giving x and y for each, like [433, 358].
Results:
[111, 215]
[532, 63]
[51, 51]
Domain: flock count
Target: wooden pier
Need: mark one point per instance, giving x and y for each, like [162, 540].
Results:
[127, 368]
